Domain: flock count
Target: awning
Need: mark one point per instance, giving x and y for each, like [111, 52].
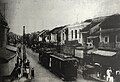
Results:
[90, 51]
[109, 30]
[104, 53]
[7, 56]
[11, 48]
[92, 36]
[104, 58]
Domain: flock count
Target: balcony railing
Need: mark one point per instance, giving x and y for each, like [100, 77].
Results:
[117, 45]
[108, 46]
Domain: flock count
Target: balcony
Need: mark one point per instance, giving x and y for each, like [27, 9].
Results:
[108, 46]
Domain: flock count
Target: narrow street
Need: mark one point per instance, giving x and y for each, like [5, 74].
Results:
[44, 75]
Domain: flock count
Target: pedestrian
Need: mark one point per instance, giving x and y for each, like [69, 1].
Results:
[25, 63]
[14, 73]
[28, 63]
[18, 59]
[118, 72]
[19, 72]
[108, 72]
[117, 78]
[32, 73]
[19, 49]
[20, 62]
[111, 78]
[27, 71]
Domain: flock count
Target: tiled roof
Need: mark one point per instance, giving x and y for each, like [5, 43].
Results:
[93, 23]
[81, 25]
[11, 48]
[43, 32]
[112, 21]
[108, 24]
[57, 29]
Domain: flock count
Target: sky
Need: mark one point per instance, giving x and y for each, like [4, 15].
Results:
[37, 15]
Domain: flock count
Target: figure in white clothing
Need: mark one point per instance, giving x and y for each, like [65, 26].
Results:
[108, 72]
[111, 78]
[27, 71]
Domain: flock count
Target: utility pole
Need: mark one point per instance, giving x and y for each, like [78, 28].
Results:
[24, 48]
[85, 48]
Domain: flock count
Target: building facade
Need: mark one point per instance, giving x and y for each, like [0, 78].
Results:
[55, 35]
[72, 33]
[108, 44]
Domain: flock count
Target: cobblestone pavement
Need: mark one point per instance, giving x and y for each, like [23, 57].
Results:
[42, 74]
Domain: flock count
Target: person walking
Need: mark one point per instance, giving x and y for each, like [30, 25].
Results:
[28, 63]
[14, 73]
[27, 72]
[25, 63]
[21, 62]
[32, 73]
[19, 72]
[108, 72]
[111, 78]
[17, 59]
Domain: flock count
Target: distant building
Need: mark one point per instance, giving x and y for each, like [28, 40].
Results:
[55, 35]
[72, 34]
[86, 31]
[44, 36]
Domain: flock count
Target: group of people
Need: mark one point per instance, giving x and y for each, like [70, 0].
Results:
[26, 70]
[109, 74]
[22, 69]
[16, 73]
[112, 76]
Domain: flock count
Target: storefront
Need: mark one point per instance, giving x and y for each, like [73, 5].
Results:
[105, 58]
[7, 61]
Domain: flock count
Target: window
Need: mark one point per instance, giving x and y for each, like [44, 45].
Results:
[88, 40]
[75, 33]
[117, 38]
[79, 33]
[106, 39]
[72, 33]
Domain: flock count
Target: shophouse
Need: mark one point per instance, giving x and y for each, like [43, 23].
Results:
[108, 33]
[55, 35]
[72, 34]
[43, 36]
